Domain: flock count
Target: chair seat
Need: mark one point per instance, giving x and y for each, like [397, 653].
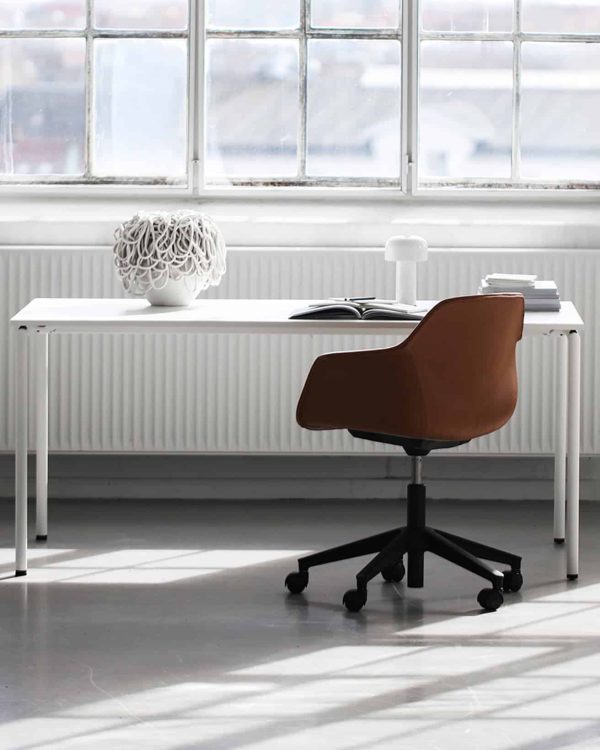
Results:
[412, 446]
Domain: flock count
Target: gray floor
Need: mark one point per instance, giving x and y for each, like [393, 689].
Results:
[165, 625]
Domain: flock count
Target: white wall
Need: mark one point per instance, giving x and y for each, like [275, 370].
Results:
[274, 220]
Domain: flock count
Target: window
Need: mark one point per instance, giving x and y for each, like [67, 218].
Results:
[93, 91]
[428, 95]
[508, 94]
[304, 92]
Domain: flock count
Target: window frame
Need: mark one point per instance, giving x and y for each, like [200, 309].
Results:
[406, 189]
[512, 185]
[303, 34]
[89, 34]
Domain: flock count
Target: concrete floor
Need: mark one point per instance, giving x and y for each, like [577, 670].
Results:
[166, 625]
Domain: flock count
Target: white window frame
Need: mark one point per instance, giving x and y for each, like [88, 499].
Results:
[513, 184]
[303, 35]
[405, 189]
[89, 34]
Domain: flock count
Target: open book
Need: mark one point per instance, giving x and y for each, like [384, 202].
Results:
[367, 310]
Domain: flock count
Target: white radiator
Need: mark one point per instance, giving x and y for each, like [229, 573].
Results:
[238, 393]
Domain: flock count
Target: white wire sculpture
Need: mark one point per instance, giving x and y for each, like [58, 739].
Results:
[154, 248]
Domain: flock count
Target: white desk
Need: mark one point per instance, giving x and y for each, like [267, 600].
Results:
[45, 316]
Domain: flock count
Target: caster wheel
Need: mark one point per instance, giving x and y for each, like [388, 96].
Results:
[513, 580]
[394, 574]
[490, 599]
[354, 600]
[296, 582]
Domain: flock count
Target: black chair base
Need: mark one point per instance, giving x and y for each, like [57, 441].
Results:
[413, 540]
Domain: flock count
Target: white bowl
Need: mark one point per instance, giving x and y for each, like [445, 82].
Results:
[176, 293]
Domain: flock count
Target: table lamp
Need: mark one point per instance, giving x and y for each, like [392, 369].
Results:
[406, 252]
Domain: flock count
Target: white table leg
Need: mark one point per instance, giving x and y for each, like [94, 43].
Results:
[21, 451]
[573, 428]
[41, 431]
[560, 439]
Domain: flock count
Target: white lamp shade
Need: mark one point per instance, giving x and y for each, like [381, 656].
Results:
[402, 248]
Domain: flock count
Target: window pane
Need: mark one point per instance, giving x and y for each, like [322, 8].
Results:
[257, 14]
[140, 107]
[467, 15]
[141, 14]
[42, 106]
[351, 14]
[560, 102]
[354, 98]
[561, 16]
[42, 14]
[252, 119]
[465, 110]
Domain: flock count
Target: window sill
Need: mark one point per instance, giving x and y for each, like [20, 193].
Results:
[325, 222]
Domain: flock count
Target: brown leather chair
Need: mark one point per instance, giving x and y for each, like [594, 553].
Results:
[453, 379]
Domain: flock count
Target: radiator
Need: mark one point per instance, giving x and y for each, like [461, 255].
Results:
[237, 394]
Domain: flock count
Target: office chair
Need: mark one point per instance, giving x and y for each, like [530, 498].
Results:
[453, 379]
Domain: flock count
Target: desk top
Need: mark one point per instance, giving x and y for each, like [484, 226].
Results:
[64, 315]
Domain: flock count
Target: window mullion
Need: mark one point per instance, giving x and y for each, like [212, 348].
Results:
[89, 91]
[303, 87]
[516, 108]
[196, 95]
[410, 76]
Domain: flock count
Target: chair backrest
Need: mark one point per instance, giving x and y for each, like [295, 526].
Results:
[463, 356]
[453, 379]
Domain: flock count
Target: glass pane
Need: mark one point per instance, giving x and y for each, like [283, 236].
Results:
[354, 99]
[42, 106]
[465, 109]
[258, 14]
[140, 107]
[42, 14]
[467, 15]
[559, 111]
[352, 14]
[252, 119]
[163, 15]
[561, 16]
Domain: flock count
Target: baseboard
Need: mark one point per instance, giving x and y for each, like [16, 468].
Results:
[224, 477]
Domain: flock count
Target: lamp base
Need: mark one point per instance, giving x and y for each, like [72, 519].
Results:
[406, 282]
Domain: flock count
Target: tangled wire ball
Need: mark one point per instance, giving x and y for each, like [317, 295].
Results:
[152, 248]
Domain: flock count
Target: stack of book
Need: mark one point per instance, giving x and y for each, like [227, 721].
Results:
[541, 296]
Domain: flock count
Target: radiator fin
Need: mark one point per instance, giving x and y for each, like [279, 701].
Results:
[238, 393]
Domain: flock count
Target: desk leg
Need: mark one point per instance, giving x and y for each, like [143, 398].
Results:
[573, 428]
[560, 439]
[41, 431]
[21, 439]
